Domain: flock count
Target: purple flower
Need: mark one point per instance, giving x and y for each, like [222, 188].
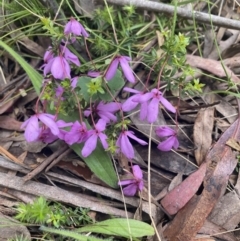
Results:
[170, 142]
[93, 74]
[59, 68]
[129, 104]
[74, 82]
[76, 28]
[105, 111]
[68, 55]
[48, 55]
[32, 128]
[153, 106]
[91, 142]
[135, 184]
[77, 134]
[59, 91]
[127, 71]
[48, 137]
[125, 145]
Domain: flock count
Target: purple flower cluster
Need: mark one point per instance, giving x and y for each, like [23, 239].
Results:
[45, 127]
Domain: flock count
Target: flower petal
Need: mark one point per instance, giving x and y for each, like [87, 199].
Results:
[70, 56]
[126, 182]
[130, 190]
[103, 139]
[89, 145]
[110, 107]
[130, 134]
[49, 123]
[67, 28]
[164, 131]
[143, 97]
[143, 111]
[129, 104]
[153, 110]
[112, 69]
[137, 172]
[126, 147]
[167, 105]
[101, 125]
[32, 130]
[130, 90]
[60, 68]
[127, 71]
[167, 144]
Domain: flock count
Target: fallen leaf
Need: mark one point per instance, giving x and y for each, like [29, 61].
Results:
[233, 144]
[180, 195]
[221, 161]
[202, 133]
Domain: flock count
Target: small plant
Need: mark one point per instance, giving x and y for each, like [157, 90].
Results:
[54, 214]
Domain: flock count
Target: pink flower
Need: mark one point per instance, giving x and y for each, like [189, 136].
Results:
[32, 129]
[68, 55]
[127, 71]
[91, 142]
[58, 67]
[48, 137]
[76, 28]
[77, 134]
[105, 111]
[93, 74]
[170, 142]
[135, 184]
[74, 82]
[125, 145]
[129, 104]
[153, 106]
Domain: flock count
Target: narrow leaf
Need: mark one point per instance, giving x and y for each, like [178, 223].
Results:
[70, 234]
[120, 227]
[33, 75]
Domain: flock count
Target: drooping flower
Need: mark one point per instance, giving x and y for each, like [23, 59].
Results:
[129, 104]
[105, 111]
[68, 55]
[76, 28]
[59, 91]
[32, 128]
[91, 142]
[156, 97]
[127, 71]
[59, 68]
[77, 134]
[125, 145]
[170, 142]
[48, 137]
[135, 184]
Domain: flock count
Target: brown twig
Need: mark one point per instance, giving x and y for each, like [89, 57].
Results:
[58, 159]
[45, 163]
[165, 8]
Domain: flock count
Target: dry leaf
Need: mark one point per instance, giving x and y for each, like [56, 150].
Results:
[234, 144]
[221, 161]
[180, 195]
[202, 133]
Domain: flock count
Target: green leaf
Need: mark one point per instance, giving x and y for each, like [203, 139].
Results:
[70, 234]
[99, 161]
[34, 76]
[114, 85]
[120, 227]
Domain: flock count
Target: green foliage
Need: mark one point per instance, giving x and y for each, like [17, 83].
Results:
[95, 89]
[54, 214]
[34, 76]
[115, 227]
